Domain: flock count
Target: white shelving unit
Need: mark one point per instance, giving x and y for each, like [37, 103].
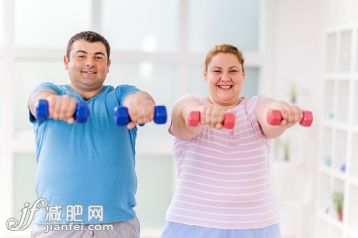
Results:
[338, 161]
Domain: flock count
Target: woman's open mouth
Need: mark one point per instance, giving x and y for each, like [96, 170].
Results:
[225, 87]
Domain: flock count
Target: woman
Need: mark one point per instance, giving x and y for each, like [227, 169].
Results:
[223, 186]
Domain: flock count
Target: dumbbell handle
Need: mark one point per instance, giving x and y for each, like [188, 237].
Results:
[228, 122]
[274, 118]
[121, 115]
[81, 114]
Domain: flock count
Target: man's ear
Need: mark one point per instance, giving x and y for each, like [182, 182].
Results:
[108, 64]
[65, 61]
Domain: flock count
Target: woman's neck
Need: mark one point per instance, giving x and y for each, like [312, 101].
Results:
[225, 106]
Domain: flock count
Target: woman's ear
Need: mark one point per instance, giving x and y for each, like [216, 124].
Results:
[205, 75]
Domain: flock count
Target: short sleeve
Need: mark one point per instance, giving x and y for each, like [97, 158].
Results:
[250, 108]
[123, 91]
[44, 86]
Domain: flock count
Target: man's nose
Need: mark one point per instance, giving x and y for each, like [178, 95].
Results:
[89, 62]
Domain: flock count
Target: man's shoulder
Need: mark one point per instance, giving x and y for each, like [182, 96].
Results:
[124, 89]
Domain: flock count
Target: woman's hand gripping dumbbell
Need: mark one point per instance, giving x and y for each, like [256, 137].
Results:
[228, 121]
[80, 114]
[122, 117]
[274, 118]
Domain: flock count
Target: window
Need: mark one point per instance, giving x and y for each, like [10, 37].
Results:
[28, 74]
[49, 23]
[141, 25]
[213, 22]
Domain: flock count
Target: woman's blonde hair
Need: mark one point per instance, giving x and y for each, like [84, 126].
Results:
[224, 48]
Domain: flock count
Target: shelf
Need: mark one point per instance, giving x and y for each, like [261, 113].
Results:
[327, 153]
[345, 51]
[331, 52]
[342, 107]
[333, 173]
[354, 156]
[352, 216]
[340, 150]
[324, 194]
[334, 124]
[333, 222]
[329, 89]
[355, 106]
[338, 163]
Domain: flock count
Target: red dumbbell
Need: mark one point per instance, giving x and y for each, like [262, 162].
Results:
[274, 118]
[228, 122]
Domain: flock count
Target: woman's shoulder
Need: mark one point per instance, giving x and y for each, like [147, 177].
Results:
[190, 97]
[253, 100]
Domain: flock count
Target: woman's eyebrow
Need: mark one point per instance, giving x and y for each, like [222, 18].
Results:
[218, 67]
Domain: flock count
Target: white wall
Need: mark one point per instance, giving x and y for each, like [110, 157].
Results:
[294, 49]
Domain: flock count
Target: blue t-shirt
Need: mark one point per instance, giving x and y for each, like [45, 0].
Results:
[86, 171]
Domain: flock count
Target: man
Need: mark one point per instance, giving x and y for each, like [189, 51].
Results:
[86, 171]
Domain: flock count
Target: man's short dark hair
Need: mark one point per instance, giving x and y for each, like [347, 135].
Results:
[88, 36]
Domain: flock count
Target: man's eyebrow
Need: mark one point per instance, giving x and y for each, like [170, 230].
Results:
[85, 52]
[99, 53]
[81, 51]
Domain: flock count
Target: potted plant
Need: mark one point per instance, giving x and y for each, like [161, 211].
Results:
[338, 199]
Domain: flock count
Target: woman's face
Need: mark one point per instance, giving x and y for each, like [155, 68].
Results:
[224, 77]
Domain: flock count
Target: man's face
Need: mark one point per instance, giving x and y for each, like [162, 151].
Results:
[87, 65]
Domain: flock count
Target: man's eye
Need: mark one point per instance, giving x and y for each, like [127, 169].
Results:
[216, 71]
[99, 57]
[81, 56]
[233, 71]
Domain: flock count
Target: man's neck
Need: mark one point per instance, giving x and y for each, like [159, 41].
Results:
[87, 94]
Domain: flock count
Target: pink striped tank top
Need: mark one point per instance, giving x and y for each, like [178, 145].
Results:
[223, 176]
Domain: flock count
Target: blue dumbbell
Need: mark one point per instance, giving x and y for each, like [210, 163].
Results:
[81, 114]
[121, 116]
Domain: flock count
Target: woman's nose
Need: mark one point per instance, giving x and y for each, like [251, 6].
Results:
[225, 77]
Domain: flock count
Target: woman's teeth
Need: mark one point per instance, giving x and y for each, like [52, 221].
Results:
[225, 86]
